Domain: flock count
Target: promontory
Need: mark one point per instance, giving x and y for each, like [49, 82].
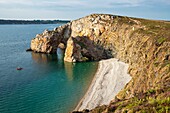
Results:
[142, 44]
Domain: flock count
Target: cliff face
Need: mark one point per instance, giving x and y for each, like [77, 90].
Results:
[82, 37]
[143, 44]
[48, 41]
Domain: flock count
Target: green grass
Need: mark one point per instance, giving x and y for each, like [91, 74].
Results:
[151, 91]
[151, 101]
[161, 40]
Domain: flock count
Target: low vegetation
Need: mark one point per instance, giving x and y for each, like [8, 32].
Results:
[153, 101]
[32, 21]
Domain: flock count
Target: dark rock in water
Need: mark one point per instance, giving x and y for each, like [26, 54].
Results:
[29, 49]
[77, 112]
[84, 111]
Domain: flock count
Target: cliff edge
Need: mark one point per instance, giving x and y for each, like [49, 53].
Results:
[143, 44]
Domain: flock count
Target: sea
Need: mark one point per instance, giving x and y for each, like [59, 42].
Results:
[46, 84]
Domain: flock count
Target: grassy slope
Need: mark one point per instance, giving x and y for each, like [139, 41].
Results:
[156, 99]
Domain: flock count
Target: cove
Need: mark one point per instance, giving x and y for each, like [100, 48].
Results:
[46, 84]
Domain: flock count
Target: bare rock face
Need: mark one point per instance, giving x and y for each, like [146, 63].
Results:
[82, 49]
[48, 41]
[85, 33]
[73, 51]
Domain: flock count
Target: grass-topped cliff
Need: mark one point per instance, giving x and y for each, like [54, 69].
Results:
[143, 44]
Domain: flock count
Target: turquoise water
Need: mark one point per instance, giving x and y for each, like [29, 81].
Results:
[46, 84]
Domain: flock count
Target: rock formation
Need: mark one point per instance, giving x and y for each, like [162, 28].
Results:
[143, 44]
[48, 41]
[84, 34]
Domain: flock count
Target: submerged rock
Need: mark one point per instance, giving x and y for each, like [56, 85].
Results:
[29, 49]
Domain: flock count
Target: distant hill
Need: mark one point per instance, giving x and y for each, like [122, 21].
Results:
[32, 21]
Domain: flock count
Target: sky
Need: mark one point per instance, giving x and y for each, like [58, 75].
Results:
[73, 9]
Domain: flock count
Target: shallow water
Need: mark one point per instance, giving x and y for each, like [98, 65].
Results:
[46, 84]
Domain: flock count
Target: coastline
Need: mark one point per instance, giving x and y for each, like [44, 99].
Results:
[110, 78]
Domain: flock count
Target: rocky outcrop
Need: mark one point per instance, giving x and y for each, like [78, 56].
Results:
[48, 41]
[45, 42]
[84, 33]
[143, 44]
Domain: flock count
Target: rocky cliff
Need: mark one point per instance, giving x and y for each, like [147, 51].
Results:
[143, 44]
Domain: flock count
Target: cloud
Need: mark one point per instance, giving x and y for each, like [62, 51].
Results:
[75, 4]
[79, 3]
[75, 8]
[41, 2]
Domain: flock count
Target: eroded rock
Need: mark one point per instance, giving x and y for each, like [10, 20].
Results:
[73, 51]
